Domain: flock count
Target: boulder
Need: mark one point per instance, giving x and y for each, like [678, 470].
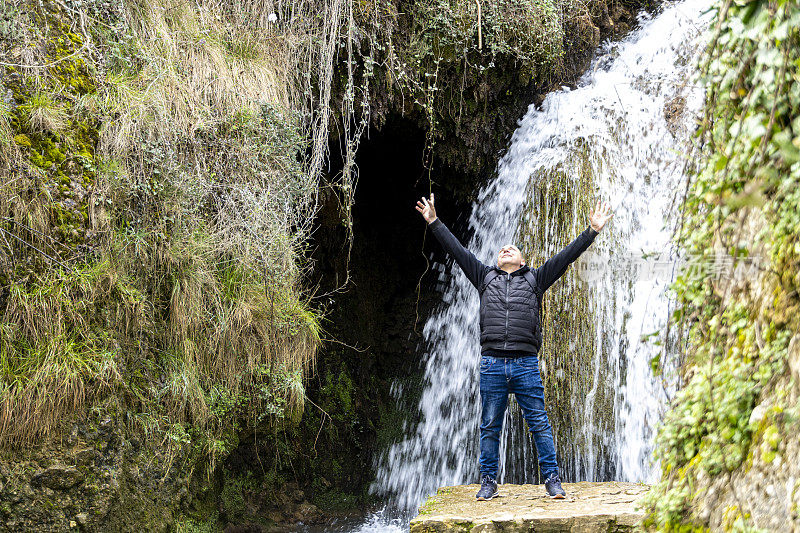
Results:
[58, 477]
[589, 507]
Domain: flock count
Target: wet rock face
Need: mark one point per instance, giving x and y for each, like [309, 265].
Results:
[95, 479]
[589, 507]
[249, 504]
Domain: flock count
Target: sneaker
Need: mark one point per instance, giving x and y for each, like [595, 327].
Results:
[553, 486]
[488, 489]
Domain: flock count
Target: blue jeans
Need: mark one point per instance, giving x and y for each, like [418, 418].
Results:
[519, 375]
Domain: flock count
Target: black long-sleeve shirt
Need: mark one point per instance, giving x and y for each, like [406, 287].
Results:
[519, 336]
[545, 275]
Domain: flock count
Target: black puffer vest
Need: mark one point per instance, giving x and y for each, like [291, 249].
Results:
[510, 312]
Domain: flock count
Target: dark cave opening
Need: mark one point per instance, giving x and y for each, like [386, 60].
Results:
[376, 321]
[392, 288]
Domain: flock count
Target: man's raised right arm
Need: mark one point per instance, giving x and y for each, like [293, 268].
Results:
[473, 269]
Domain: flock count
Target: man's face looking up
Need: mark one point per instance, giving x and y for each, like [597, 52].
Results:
[509, 256]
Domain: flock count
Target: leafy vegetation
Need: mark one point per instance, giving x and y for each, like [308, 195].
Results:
[744, 200]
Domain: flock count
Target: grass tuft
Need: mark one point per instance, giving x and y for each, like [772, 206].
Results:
[44, 115]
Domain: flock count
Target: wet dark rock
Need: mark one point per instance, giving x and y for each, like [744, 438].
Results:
[86, 457]
[307, 512]
[248, 528]
[58, 477]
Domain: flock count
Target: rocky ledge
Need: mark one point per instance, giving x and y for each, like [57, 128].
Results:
[588, 508]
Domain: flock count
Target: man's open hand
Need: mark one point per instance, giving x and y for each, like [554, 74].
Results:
[427, 209]
[600, 215]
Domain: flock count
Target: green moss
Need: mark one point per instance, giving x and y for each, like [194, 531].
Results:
[65, 155]
[338, 391]
[236, 491]
[429, 506]
[22, 140]
[335, 500]
[232, 499]
[570, 357]
[192, 525]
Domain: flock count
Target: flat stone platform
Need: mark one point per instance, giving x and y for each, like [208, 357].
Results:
[588, 508]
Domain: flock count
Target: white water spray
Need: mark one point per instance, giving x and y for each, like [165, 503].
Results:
[630, 117]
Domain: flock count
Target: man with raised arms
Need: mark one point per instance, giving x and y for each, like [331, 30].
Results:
[511, 336]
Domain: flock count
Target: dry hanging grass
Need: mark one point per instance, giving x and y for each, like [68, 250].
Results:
[205, 133]
[52, 357]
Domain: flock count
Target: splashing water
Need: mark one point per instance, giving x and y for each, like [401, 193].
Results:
[621, 136]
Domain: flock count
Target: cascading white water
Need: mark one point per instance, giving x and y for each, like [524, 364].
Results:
[615, 126]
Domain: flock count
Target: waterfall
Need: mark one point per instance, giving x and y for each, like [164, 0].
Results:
[621, 135]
